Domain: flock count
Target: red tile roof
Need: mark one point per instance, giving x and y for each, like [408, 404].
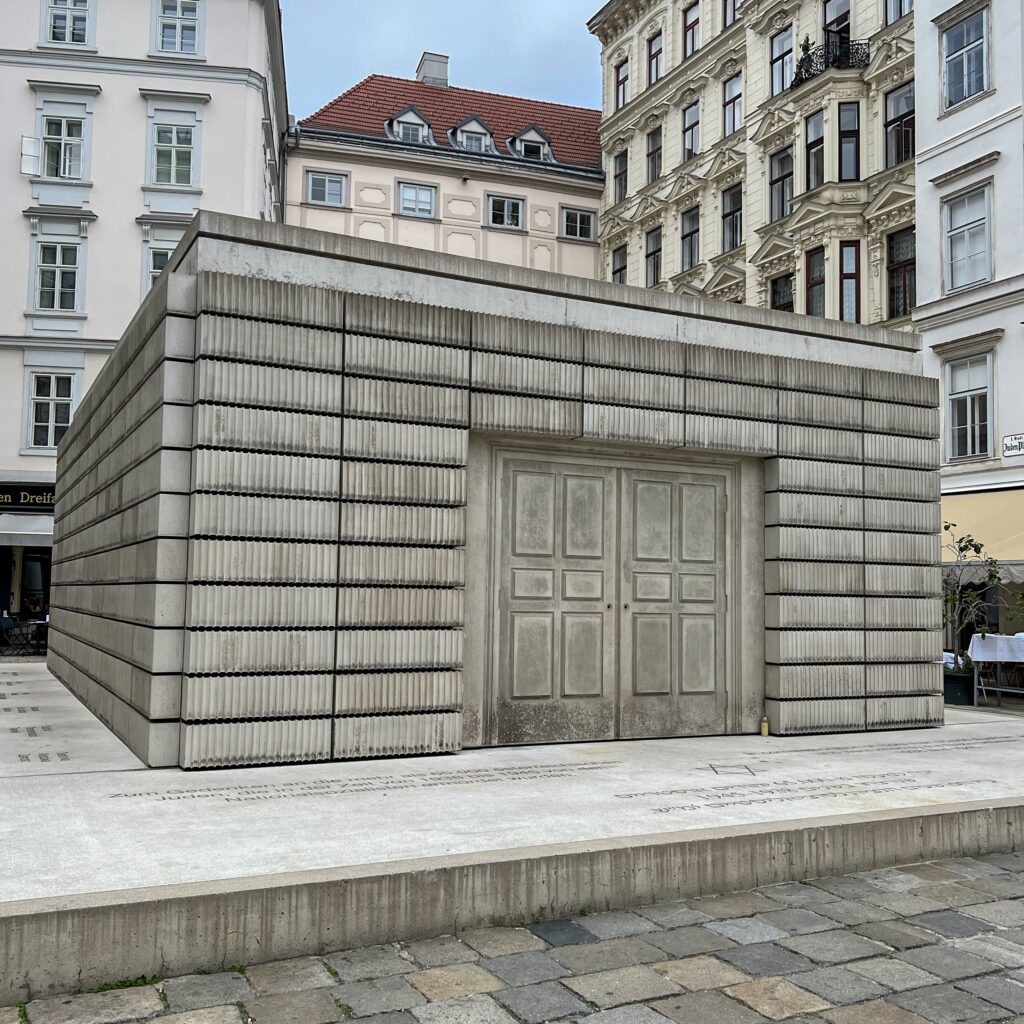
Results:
[366, 107]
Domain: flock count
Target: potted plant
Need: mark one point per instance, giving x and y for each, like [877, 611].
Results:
[965, 577]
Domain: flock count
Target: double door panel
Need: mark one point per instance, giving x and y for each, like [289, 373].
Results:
[611, 603]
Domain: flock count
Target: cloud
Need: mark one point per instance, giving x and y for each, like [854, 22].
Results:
[535, 48]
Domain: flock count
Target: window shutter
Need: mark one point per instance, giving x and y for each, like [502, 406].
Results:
[31, 154]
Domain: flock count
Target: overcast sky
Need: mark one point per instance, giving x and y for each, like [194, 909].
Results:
[535, 48]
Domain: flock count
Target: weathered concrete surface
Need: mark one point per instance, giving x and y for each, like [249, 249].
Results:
[114, 874]
[292, 407]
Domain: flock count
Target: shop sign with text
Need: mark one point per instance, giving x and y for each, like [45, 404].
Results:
[26, 497]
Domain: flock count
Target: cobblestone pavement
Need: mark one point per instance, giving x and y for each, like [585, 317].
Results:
[941, 942]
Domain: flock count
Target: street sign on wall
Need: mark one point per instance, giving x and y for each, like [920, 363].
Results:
[1013, 444]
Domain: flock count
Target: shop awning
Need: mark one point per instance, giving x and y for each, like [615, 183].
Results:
[25, 531]
[996, 519]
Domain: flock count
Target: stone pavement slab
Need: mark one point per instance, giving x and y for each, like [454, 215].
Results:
[231, 1014]
[562, 933]
[535, 1004]
[1001, 886]
[525, 968]
[777, 998]
[314, 1006]
[289, 976]
[377, 996]
[97, 1007]
[764, 959]
[367, 963]
[896, 975]
[877, 1012]
[947, 962]
[944, 1004]
[999, 990]
[953, 895]
[797, 921]
[853, 912]
[622, 985]
[492, 942]
[897, 934]
[454, 981]
[745, 931]
[440, 952]
[603, 956]
[624, 1015]
[904, 904]
[797, 894]
[616, 924]
[1005, 913]
[742, 904]
[950, 924]
[706, 1008]
[697, 973]
[680, 942]
[993, 946]
[839, 985]
[834, 947]
[194, 991]
[476, 1009]
[672, 915]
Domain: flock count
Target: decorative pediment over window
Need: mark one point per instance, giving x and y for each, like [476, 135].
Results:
[689, 91]
[684, 187]
[728, 163]
[688, 282]
[775, 246]
[410, 125]
[777, 126]
[474, 135]
[892, 205]
[889, 56]
[728, 283]
[729, 64]
[612, 226]
[769, 16]
[531, 144]
[649, 206]
[808, 216]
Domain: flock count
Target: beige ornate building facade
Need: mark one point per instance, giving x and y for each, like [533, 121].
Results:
[762, 152]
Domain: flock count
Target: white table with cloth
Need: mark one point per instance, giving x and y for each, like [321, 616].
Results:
[996, 649]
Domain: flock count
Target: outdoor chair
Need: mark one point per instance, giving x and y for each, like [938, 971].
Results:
[17, 637]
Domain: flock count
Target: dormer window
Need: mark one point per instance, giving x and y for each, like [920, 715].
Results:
[473, 136]
[408, 132]
[475, 142]
[409, 125]
[532, 150]
[531, 144]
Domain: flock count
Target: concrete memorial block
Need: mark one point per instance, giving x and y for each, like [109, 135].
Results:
[285, 512]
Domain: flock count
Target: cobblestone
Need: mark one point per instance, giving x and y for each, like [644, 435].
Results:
[898, 946]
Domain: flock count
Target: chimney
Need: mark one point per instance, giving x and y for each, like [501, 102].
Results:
[433, 69]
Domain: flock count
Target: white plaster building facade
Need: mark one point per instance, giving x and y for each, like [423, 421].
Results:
[970, 198]
[122, 118]
[460, 171]
[762, 152]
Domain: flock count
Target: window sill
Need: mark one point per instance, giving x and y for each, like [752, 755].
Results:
[501, 227]
[577, 241]
[970, 460]
[169, 55]
[45, 452]
[966, 287]
[189, 190]
[970, 101]
[416, 216]
[55, 314]
[64, 182]
[326, 206]
[65, 47]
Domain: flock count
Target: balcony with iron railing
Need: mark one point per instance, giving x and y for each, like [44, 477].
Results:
[838, 51]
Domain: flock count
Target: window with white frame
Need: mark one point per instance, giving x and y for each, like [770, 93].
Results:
[533, 149]
[172, 154]
[967, 239]
[326, 189]
[968, 412]
[504, 212]
[417, 200]
[57, 276]
[475, 142]
[158, 259]
[178, 26]
[51, 396]
[410, 131]
[67, 21]
[578, 224]
[965, 59]
[62, 147]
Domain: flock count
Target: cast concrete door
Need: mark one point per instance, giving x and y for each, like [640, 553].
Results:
[611, 603]
[672, 659]
[557, 603]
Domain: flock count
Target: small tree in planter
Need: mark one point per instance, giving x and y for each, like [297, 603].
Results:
[964, 579]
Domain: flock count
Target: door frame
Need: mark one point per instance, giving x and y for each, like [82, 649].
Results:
[483, 563]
